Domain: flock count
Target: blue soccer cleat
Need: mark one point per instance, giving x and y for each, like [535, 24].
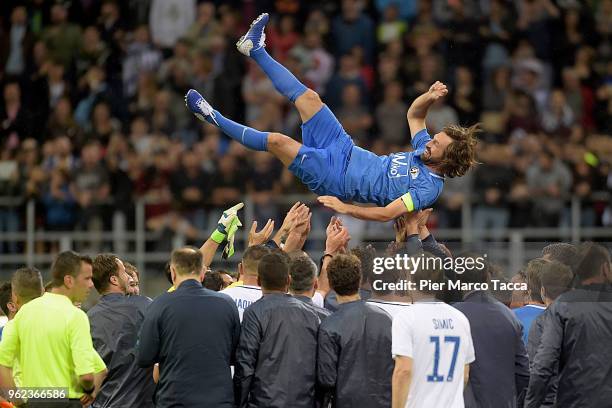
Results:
[255, 38]
[199, 107]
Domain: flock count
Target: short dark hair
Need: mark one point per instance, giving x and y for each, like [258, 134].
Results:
[187, 261]
[27, 283]
[273, 271]
[131, 269]
[67, 263]
[591, 258]
[366, 254]
[555, 278]
[213, 281]
[430, 269]
[251, 258]
[5, 297]
[303, 272]
[344, 273]
[534, 284]
[561, 252]
[104, 266]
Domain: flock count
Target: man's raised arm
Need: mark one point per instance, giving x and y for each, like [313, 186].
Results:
[387, 213]
[418, 110]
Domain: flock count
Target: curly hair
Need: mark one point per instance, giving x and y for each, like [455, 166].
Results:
[344, 273]
[460, 155]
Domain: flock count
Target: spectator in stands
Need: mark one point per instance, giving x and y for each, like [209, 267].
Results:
[501, 371]
[535, 305]
[549, 181]
[491, 184]
[169, 20]
[115, 322]
[354, 364]
[417, 380]
[62, 38]
[134, 284]
[558, 117]
[304, 284]
[90, 186]
[276, 359]
[204, 27]
[14, 118]
[576, 328]
[66, 356]
[202, 332]
[16, 47]
[556, 279]
[319, 62]
[353, 115]
[353, 28]
[140, 58]
[59, 201]
[348, 73]
[190, 188]
[391, 115]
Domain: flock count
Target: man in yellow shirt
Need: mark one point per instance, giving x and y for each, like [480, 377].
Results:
[51, 337]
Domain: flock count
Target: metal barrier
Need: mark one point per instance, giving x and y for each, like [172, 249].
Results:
[131, 245]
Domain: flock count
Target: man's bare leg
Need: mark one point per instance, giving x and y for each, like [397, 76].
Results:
[283, 147]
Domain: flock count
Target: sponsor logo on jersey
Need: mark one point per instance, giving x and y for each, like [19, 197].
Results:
[399, 165]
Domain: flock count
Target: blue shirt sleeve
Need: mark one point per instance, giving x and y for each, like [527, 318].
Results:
[418, 199]
[420, 139]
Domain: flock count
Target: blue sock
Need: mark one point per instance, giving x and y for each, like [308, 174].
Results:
[251, 138]
[284, 81]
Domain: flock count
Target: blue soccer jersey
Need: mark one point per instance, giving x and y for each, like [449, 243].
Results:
[381, 179]
[526, 315]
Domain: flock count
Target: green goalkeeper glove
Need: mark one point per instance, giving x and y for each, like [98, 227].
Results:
[226, 229]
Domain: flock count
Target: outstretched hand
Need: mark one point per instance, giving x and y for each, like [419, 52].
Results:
[261, 237]
[333, 203]
[437, 90]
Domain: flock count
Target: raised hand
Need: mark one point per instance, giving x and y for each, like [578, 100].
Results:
[437, 90]
[261, 237]
[333, 203]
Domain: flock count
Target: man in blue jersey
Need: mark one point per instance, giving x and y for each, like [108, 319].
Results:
[331, 165]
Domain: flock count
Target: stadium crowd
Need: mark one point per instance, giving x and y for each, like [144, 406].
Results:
[290, 333]
[92, 114]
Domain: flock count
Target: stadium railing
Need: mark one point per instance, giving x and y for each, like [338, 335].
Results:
[138, 245]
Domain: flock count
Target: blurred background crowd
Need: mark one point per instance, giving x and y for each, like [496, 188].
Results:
[92, 116]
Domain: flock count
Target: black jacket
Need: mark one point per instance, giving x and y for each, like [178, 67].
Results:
[578, 337]
[115, 322]
[321, 312]
[192, 333]
[533, 342]
[277, 354]
[354, 364]
[500, 373]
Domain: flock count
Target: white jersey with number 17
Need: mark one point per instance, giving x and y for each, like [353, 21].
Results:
[438, 339]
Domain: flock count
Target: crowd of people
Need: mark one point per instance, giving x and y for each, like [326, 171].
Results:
[290, 333]
[93, 117]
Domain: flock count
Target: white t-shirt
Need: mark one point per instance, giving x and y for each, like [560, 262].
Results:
[438, 339]
[244, 296]
[393, 308]
[317, 299]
